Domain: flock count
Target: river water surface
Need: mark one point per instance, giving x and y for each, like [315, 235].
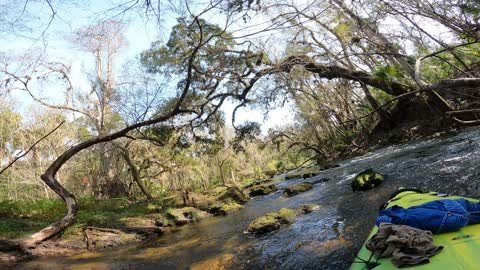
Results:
[324, 239]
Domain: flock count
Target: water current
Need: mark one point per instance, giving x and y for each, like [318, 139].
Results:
[324, 239]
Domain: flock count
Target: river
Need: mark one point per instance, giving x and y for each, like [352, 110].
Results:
[324, 239]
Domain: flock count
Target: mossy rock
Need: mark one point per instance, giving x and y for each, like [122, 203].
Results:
[308, 175]
[308, 208]
[366, 180]
[263, 189]
[234, 194]
[291, 176]
[220, 209]
[272, 221]
[297, 188]
[181, 216]
[328, 166]
[258, 182]
[163, 221]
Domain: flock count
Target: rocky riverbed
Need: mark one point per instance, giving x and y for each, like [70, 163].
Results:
[326, 238]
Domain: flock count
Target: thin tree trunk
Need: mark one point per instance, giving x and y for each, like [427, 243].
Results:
[136, 175]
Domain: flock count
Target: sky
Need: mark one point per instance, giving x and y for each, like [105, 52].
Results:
[140, 34]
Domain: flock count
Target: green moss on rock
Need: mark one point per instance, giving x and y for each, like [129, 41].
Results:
[366, 180]
[308, 175]
[297, 188]
[292, 176]
[220, 209]
[272, 221]
[258, 182]
[263, 189]
[181, 216]
[234, 194]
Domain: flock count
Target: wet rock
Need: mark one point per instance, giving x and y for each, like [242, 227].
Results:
[271, 221]
[366, 180]
[222, 209]
[291, 176]
[182, 216]
[274, 221]
[258, 182]
[234, 194]
[308, 208]
[308, 175]
[297, 188]
[329, 166]
[263, 189]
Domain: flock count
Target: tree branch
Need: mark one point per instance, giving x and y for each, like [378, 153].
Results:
[31, 147]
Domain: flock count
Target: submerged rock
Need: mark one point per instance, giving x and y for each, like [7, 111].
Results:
[366, 180]
[263, 189]
[220, 209]
[297, 188]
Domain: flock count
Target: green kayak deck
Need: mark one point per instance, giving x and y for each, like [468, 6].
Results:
[461, 248]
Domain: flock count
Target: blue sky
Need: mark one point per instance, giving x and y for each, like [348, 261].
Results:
[140, 34]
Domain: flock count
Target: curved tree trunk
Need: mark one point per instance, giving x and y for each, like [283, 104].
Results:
[136, 175]
[49, 178]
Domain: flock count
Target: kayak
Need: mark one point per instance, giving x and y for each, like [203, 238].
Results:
[461, 248]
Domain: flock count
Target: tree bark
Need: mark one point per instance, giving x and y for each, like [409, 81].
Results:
[136, 175]
[72, 207]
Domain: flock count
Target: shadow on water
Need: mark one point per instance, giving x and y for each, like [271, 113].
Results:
[324, 239]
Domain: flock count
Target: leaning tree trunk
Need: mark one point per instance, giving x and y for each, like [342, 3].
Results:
[49, 177]
[136, 175]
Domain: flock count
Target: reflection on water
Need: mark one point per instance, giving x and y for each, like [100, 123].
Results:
[325, 239]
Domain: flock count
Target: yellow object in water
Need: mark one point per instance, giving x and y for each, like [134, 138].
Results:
[461, 248]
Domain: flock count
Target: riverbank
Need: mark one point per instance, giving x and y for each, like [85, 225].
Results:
[117, 222]
[327, 238]
[110, 223]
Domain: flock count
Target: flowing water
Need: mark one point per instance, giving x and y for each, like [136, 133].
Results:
[323, 239]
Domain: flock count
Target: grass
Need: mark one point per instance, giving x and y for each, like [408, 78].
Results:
[19, 219]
